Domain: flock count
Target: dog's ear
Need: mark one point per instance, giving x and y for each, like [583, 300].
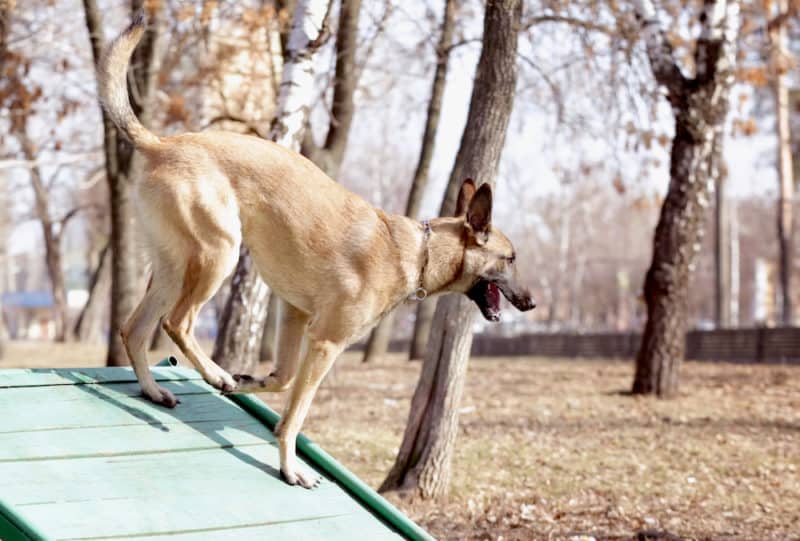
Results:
[479, 213]
[465, 195]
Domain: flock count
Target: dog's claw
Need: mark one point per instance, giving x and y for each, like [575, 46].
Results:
[299, 478]
[162, 397]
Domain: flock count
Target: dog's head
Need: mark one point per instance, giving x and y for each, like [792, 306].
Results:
[489, 265]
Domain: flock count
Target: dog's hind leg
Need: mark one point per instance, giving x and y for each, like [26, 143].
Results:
[293, 323]
[137, 331]
[205, 271]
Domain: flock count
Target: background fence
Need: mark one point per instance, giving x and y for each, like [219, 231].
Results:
[757, 345]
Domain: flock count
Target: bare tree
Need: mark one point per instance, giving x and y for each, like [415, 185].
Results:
[722, 256]
[423, 462]
[22, 97]
[5, 15]
[88, 326]
[329, 156]
[270, 335]
[699, 106]
[121, 165]
[52, 232]
[780, 64]
[238, 343]
[378, 342]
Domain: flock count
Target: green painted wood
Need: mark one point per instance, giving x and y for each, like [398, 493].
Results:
[54, 395]
[102, 406]
[139, 494]
[345, 477]
[94, 460]
[14, 527]
[20, 377]
[316, 529]
[84, 442]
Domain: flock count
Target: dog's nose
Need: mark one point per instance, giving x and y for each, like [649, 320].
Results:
[529, 303]
[525, 303]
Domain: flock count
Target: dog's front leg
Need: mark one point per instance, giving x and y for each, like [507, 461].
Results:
[320, 357]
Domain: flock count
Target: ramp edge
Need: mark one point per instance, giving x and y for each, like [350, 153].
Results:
[15, 527]
[315, 454]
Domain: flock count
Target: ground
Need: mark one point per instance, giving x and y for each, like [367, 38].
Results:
[550, 449]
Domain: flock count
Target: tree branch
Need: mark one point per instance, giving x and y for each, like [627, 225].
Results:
[64, 220]
[571, 21]
[659, 51]
[233, 118]
[554, 90]
[345, 80]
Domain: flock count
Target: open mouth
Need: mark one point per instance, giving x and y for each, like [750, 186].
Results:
[487, 296]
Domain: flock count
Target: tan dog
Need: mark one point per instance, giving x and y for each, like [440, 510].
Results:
[338, 263]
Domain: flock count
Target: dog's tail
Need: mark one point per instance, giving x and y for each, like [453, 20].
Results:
[112, 76]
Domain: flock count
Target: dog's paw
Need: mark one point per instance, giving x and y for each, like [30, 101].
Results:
[226, 384]
[301, 478]
[162, 397]
[246, 384]
[269, 384]
[220, 380]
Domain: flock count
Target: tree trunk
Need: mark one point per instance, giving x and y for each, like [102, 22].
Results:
[5, 14]
[423, 462]
[699, 106]
[123, 275]
[89, 326]
[422, 329]
[722, 257]
[160, 339]
[785, 220]
[51, 233]
[238, 342]
[120, 165]
[564, 242]
[378, 343]
[3, 332]
[735, 265]
[270, 335]
[345, 80]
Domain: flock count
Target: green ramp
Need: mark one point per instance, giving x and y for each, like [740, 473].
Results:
[84, 457]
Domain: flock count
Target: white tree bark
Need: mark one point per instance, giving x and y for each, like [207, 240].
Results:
[779, 65]
[297, 83]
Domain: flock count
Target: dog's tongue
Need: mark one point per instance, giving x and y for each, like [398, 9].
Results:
[493, 297]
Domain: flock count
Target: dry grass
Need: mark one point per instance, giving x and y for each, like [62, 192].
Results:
[553, 449]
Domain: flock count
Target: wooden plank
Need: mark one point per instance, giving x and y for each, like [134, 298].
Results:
[166, 493]
[21, 377]
[342, 527]
[56, 395]
[84, 456]
[102, 406]
[130, 439]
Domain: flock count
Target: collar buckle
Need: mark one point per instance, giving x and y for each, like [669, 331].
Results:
[419, 294]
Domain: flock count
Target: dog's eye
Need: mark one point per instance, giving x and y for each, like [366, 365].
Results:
[511, 259]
